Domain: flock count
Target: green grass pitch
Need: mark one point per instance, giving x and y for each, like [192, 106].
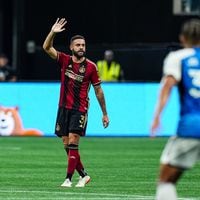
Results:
[120, 168]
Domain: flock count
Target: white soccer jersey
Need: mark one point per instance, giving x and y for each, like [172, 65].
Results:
[184, 66]
[172, 63]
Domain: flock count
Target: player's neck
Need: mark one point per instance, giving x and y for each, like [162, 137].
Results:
[77, 60]
[191, 45]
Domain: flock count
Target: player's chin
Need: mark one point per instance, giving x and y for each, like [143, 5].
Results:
[81, 53]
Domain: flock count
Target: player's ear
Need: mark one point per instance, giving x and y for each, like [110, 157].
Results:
[70, 47]
[182, 39]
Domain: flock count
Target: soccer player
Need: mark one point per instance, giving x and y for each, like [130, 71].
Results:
[77, 74]
[181, 68]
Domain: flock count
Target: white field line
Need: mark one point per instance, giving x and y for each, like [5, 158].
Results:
[79, 198]
[105, 196]
[73, 193]
[69, 198]
[91, 198]
[10, 148]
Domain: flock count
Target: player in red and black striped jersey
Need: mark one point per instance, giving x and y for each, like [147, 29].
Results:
[77, 75]
[76, 79]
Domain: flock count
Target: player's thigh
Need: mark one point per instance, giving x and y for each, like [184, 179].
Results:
[78, 122]
[74, 138]
[170, 173]
[62, 122]
[65, 140]
[182, 153]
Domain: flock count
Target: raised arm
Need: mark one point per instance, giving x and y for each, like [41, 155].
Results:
[48, 43]
[100, 96]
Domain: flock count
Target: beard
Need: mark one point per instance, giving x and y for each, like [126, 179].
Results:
[78, 54]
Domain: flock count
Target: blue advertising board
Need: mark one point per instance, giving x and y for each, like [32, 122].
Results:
[130, 107]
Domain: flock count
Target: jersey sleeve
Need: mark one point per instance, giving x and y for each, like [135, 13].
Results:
[95, 79]
[62, 59]
[172, 66]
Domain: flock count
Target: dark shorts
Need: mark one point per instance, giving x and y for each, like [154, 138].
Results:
[70, 121]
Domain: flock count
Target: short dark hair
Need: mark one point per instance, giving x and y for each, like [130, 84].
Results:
[191, 30]
[76, 37]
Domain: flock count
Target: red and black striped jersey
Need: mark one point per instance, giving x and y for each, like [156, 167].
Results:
[76, 79]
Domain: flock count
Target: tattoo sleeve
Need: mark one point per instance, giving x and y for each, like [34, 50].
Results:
[100, 96]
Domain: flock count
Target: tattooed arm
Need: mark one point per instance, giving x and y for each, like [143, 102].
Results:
[100, 96]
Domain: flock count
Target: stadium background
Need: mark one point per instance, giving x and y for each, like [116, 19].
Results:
[141, 33]
[134, 29]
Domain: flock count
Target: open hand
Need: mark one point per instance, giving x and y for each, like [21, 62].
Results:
[59, 25]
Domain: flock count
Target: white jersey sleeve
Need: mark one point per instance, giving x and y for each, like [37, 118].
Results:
[172, 66]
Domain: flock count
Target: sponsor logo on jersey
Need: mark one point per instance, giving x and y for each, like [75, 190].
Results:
[73, 75]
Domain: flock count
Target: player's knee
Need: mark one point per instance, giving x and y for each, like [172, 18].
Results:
[65, 140]
[74, 139]
[170, 174]
[170, 178]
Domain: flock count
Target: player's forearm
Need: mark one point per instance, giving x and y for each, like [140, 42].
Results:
[48, 43]
[163, 98]
[101, 100]
[167, 84]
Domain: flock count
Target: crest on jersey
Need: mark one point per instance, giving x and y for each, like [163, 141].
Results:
[193, 62]
[82, 69]
[70, 66]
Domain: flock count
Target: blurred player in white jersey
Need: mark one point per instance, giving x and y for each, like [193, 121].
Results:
[181, 68]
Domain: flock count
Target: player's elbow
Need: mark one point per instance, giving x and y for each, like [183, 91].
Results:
[45, 47]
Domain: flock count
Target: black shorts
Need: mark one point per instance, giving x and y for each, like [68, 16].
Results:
[70, 121]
